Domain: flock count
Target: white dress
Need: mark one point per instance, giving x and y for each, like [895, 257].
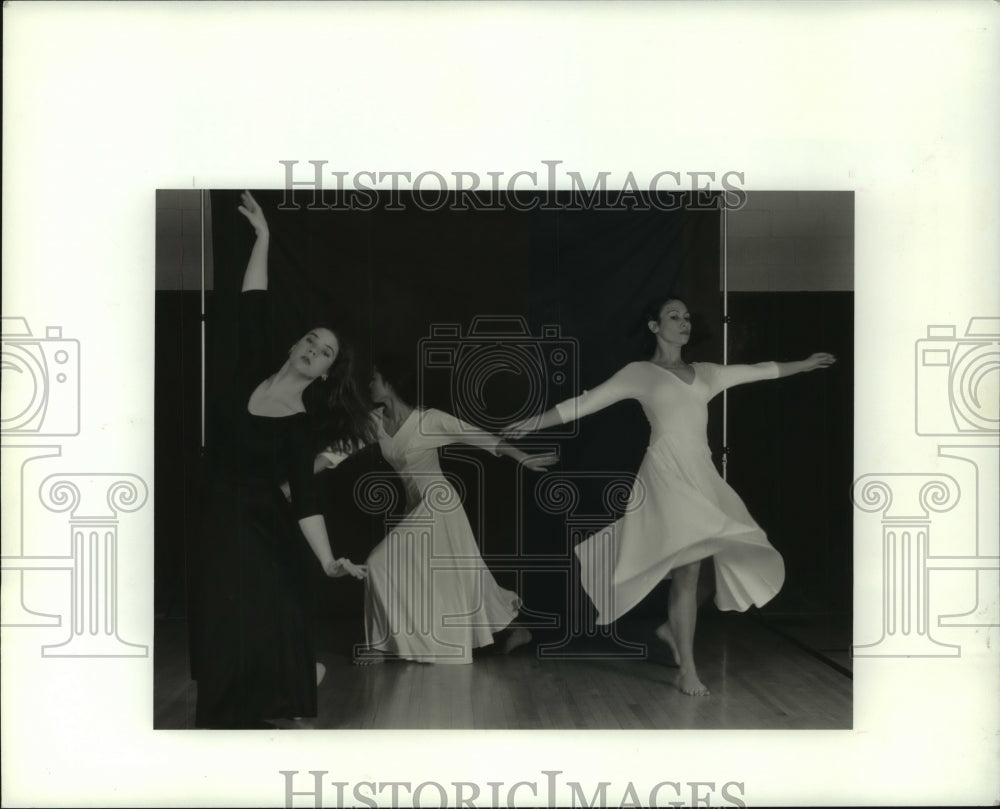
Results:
[680, 509]
[428, 595]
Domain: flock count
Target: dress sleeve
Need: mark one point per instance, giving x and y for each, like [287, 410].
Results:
[254, 338]
[626, 384]
[437, 429]
[301, 480]
[720, 377]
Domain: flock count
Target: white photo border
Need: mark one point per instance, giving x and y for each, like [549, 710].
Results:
[105, 103]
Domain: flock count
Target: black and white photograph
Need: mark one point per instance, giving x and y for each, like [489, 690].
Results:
[500, 404]
[501, 507]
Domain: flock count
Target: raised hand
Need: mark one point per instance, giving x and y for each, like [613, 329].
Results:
[819, 360]
[541, 461]
[253, 212]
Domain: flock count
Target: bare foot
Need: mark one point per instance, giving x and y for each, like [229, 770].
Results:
[516, 637]
[320, 673]
[663, 633]
[687, 682]
[369, 657]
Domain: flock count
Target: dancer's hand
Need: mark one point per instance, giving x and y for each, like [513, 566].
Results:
[541, 461]
[254, 213]
[519, 429]
[819, 360]
[337, 568]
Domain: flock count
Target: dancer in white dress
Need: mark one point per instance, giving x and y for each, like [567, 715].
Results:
[681, 510]
[428, 595]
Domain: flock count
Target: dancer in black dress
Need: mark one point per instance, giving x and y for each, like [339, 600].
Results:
[252, 652]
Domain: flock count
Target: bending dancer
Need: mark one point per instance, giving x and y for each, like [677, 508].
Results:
[252, 654]
[428, 595]
[683, 510]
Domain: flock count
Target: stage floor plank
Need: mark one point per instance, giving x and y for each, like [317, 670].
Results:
[758, 678]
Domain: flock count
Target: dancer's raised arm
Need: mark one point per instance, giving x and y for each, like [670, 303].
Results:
[255, 276]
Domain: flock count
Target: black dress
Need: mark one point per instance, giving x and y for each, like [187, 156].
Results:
[251, 639]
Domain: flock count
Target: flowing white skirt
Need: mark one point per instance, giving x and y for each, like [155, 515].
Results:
[680, 511]
[429, 596]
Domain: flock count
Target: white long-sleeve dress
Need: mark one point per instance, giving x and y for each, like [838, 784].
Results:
[680, 509]
[428, 595]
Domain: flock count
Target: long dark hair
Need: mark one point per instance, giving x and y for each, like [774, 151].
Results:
[340, 414]
[398, 372]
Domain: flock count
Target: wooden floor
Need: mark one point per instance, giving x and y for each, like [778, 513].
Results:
[759, 677]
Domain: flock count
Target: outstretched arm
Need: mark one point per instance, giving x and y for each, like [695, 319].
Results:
[625, 384]
[818, 360]
[255, 276]
[519, 429]
[438, 429]
[536, 462]
[722, 377]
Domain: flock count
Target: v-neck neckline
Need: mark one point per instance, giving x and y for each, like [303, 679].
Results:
[399, 429]
[676, 376]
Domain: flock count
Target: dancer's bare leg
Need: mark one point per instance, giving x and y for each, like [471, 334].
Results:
[678, 631]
